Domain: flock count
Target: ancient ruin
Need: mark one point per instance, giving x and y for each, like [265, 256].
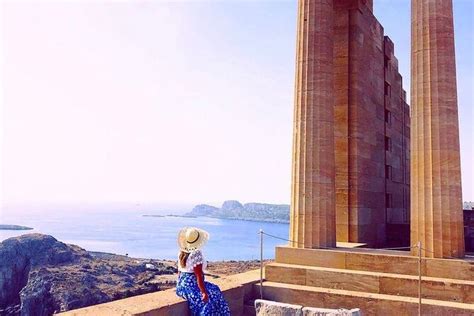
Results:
[313, 215]
[436, 204]
[363, 91]
[351, 180]
[351, 130]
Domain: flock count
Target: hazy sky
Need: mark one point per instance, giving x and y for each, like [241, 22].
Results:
[167, 101]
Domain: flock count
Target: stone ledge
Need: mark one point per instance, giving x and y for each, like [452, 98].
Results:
[236, 288]
[369, 303]
[375, 260]
[372, 282]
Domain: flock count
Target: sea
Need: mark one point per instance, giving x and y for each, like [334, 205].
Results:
[128, 232]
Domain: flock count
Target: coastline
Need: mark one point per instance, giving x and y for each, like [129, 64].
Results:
[14, 227]
[151, 237]
[263, 220]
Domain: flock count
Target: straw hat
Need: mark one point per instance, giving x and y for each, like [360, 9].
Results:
[192, 238]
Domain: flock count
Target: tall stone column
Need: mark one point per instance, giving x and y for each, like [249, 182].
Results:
[436, 203]
[312, 218]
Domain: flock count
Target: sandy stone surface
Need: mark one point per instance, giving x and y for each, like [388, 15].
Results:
[266, 308]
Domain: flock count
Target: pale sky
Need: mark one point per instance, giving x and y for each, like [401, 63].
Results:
[187, 102]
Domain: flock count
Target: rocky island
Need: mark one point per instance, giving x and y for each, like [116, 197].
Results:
[42, 276]
[278, 213]
[14, 227]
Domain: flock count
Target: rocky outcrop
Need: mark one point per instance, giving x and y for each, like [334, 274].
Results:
[231, 206]
[250, 211]
[19, 255]
[40, 275]
[203, 210]
[281, 212]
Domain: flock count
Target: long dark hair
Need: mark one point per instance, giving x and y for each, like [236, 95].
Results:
[183, 257]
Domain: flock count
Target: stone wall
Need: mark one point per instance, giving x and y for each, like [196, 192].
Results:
[371, 128]
[397, 131]
[237, 289]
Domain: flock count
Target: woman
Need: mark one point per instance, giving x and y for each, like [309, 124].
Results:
[203, 298]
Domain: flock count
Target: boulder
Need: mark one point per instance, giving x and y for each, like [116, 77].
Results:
[267, 308]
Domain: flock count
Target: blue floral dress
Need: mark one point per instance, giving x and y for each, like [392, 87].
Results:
[187, 288]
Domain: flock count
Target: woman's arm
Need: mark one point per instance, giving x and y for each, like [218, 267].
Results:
[200, 281]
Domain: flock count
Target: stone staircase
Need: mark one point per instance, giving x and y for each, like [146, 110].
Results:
[377, 282]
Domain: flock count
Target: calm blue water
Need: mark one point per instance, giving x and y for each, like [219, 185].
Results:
[148, 237]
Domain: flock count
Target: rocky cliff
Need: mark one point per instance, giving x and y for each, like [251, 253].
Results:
[250, 211]
[203, 210]
[40, 276]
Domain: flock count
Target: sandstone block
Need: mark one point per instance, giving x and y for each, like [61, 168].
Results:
[312, 311]
[267, 308]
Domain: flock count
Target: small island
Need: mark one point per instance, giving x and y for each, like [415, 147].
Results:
[262, 212]
[14, 227]
[232, 209]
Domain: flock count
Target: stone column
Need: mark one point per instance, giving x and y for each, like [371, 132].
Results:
[436, 203]
[312, 218]
[370, 4]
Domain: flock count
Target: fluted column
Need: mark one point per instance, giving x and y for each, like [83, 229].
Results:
[312, 218]
[436, 202]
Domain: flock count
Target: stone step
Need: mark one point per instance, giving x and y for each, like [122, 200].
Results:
[369, 303]
[397, 262]
[373, 282]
